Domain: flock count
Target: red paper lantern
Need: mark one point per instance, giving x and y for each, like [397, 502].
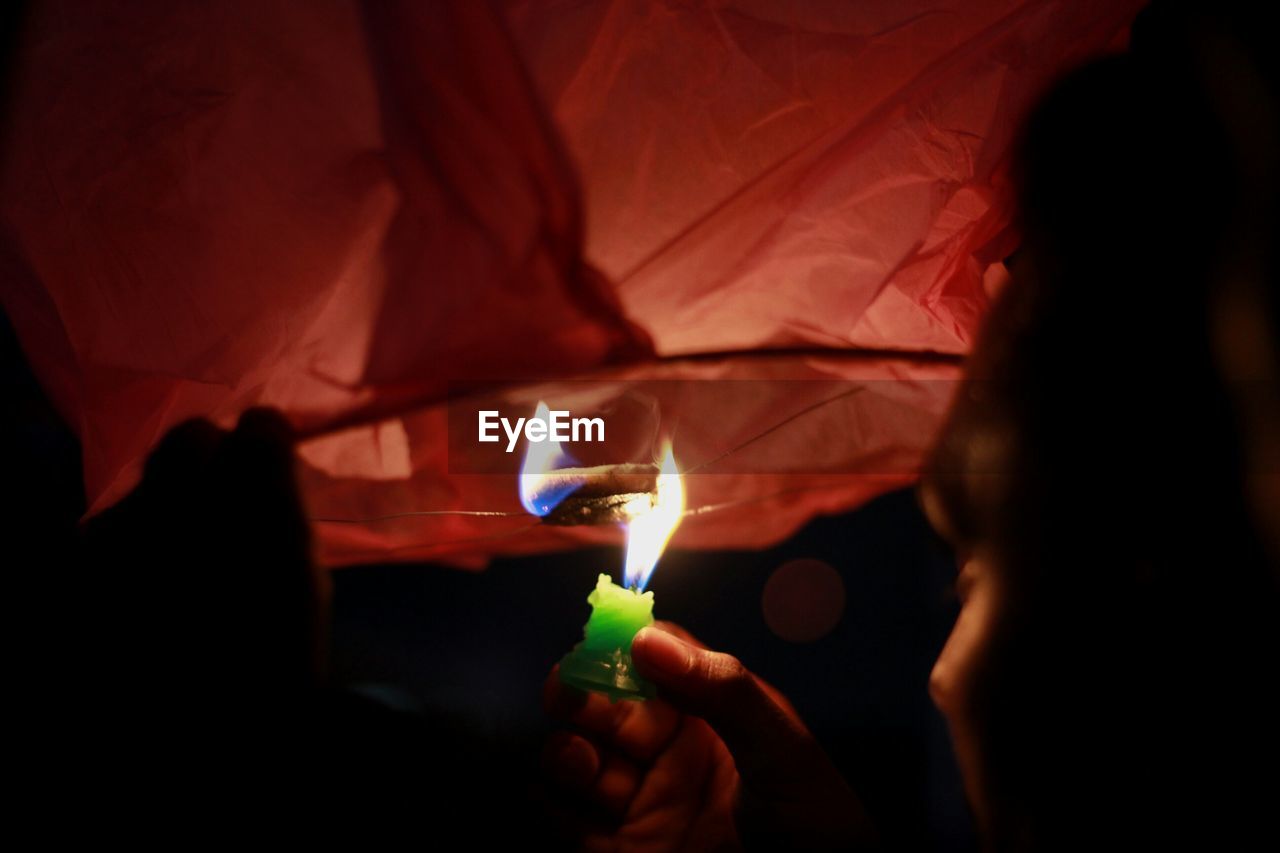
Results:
[372, 216]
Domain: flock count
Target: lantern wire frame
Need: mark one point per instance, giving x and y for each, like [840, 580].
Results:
[690, 511]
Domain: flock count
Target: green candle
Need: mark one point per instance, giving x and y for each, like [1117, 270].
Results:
[602, 661]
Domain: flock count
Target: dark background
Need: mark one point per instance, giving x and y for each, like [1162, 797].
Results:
[476, 647]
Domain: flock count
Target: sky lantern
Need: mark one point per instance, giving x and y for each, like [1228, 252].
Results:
[756, 238]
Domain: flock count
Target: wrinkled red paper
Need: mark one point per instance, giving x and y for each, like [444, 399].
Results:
[353, 211]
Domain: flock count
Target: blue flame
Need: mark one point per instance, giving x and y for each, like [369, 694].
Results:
[541, 459]
[550, 498]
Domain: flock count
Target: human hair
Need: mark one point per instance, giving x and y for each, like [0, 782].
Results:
[1093, 451]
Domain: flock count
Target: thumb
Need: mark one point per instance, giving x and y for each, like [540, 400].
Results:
[774, 752]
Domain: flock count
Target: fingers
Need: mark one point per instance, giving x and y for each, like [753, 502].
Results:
[219, 581]
[268, 426]
[639, 730]
[571, 760]
[771, 747]
[603, 777]
[191, 445]
[681, 633]
[781, 784]
[198, 469]
[604, 761]
[617, 783]
[259, 454]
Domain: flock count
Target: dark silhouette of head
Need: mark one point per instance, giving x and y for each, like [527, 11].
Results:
[1095, 458]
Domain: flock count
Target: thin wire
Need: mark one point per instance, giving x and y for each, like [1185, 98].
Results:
[479, 512]
[706, 508]
[373, 413]
[436, 546]
[698, 511]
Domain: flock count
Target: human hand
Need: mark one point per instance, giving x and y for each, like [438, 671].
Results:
[719, 761]
[201, 579]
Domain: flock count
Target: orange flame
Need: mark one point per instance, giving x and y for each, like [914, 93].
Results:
[649, 531]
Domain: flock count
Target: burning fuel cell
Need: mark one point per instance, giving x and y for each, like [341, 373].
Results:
[649, 501]
[603, 494]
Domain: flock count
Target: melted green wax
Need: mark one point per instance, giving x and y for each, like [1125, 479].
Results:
[602, 661]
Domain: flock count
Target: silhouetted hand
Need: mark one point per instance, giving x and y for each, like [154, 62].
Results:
[719, 761]
[199, 594]
[198, 695]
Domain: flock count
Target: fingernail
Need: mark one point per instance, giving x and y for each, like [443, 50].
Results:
[661, 651]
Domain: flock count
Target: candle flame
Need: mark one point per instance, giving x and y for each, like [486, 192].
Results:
[539, 458]
[649, 531]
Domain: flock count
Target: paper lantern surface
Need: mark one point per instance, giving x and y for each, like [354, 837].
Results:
[370, 215]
